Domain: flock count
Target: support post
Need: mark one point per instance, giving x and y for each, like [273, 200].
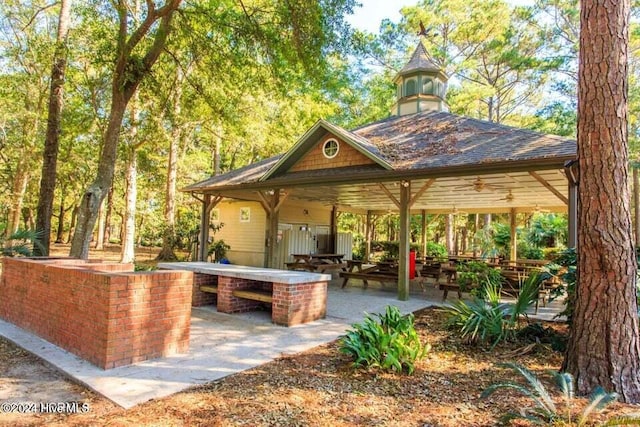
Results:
[403, 249]
[423, 235]
[367, 232]
[203, 247]
[333, 237]
[513, 253]
[272, 232]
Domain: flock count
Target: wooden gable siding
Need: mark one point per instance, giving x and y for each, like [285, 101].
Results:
[315, 159]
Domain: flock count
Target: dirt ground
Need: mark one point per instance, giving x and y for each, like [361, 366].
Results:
[315, 388]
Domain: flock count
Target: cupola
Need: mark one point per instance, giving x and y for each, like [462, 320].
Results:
[420, 86]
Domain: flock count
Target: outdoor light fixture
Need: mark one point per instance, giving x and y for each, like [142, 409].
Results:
[405, 184]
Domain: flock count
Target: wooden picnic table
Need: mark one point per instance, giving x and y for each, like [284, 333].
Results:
[317, 262]
[385, 271]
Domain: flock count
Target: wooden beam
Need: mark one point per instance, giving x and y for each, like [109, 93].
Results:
[391, 196]
[550, 187]
[421, 191]
[281, 200]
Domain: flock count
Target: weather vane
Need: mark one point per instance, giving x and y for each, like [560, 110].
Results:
[423, 31]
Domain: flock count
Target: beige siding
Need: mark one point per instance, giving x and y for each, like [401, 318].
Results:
[245, 238]
[315, 159]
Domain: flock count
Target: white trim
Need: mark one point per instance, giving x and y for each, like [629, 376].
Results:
[324, 148]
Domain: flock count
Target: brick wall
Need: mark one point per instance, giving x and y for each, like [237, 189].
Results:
[103, 312]
[199, 298]
[299, 303]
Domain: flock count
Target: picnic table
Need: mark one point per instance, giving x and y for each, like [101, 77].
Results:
[384, 271]
[317, 262]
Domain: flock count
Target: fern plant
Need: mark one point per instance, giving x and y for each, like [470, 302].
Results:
[20, 243]
[545, 410]
[388, 341]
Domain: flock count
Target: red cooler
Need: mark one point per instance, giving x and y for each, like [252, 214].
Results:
[412, 265]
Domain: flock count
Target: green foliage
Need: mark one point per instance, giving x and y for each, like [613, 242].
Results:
[568, 260]
[485, 319]
[20, 243]
[472, 275]
[387, 341]
[547, 230]
[219, 249]
[436, 250]
[545, 410]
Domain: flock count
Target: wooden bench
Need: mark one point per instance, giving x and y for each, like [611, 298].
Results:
[254, 294]
[445, 287]
[379, 277]
[211, 289]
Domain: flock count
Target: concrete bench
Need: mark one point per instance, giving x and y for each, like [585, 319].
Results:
[295, 296]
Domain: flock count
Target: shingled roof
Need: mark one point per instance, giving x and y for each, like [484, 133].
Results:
[419, 62]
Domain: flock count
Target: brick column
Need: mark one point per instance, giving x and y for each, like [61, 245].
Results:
[299, 303]
[199, 298]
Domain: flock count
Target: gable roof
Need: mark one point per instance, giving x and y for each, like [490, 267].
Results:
[313, 135]
[416, 143]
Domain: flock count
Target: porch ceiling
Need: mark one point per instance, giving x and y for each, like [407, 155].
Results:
[532, 191]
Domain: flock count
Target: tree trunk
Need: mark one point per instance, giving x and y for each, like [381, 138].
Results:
[61, 214]
[129, 223]
[95, 193]
[52, 139]
[107, 218]
[19, 188]
[604, 346]
[168, 237]
[128, 72]
[636, 204]
[101, 220]
[448, 232]
[72, 223]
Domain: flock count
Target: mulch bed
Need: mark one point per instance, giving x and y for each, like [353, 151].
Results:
[320, 388]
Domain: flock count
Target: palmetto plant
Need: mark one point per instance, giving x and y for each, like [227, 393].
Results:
[20, 243]
[545, 411]
[486, 319]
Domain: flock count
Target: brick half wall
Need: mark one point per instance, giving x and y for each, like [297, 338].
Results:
[95, 310]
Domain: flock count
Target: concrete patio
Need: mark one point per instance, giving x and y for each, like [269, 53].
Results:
[224, 344]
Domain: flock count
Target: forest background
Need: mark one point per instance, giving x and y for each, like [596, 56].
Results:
[240, 81]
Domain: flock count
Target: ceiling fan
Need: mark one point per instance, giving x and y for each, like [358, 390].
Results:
[509, 197]
[538, 209]
[456, 211]
[479, 184]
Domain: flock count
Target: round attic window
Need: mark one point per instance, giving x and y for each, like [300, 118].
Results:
[330, 148]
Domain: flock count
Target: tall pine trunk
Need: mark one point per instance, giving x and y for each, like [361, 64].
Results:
[604, 346]
[127, 253]
[52, 139]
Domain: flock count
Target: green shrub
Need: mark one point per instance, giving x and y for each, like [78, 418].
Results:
[474, 274]
[436, 250]
[388, 341]
[545, 410]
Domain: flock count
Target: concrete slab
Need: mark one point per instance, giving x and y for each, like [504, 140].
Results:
[221, 344]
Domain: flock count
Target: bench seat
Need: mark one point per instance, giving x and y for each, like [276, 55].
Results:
[316, 267]
[211, 289]
[254, 294]
[379, 277]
